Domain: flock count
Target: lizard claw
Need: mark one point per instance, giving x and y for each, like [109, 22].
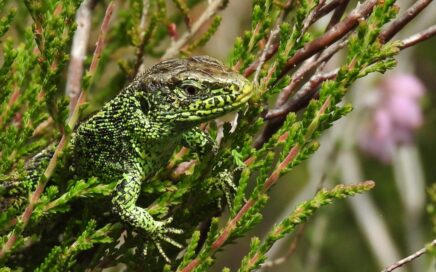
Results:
[163, 229]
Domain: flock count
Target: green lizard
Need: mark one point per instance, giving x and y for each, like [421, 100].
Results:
[136, 133]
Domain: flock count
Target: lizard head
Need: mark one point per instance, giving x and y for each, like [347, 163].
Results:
[195, 89]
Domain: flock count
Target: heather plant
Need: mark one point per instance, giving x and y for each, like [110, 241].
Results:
[50, 82]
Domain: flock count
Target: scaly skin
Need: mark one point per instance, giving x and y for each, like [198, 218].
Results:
[135, 134]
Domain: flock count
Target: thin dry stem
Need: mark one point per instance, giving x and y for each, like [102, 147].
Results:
[327, 8]
[337, 15]
[305, 69]
[299, 100]
[310, 19]
[403, 20]
[211, 10]
[331, 36]
[263, 57]
[78, 52]
[142, 30]
[409, 258]
[419, 37]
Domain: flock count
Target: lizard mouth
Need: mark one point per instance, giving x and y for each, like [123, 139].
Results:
[246, 93]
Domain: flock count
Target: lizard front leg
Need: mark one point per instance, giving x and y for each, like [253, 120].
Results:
[199, 141]
[124, 204]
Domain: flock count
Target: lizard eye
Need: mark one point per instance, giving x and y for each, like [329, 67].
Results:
[191, 90]
[191, 87]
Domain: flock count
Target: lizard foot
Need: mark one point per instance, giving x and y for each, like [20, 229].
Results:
[224, 183]
[162, 234]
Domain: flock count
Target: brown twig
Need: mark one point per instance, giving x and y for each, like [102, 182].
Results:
[272, 49]
[212, 9]
[263, 56]
[78, 52]
[34, 198]
[327, 8]
[316, 80]
[298, 101]
[409, 258]
[312, 18]
[142, 30]
[252, 68]
[403, 20]
[419, 37]
[331, 36]
[315, 61]
[292, 248]
[304, 70]
[337, 15]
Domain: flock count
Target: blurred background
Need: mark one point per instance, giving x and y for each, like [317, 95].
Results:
[389, 138]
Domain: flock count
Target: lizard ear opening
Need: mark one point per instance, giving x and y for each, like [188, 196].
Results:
[145, 106]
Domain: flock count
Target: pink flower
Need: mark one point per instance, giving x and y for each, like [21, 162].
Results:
[396, 116]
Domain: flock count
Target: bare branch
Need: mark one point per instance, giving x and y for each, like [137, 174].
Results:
[211, 10]
[403, 20]
[78, 52]
[315, 61]
[274, 46]
[269, 53]
[419, 37]
[142, 30]
[409, 258]
[263, 57]
[313, 17]
[297, 102]
[300, 99]
[327, 8]
[331, 36]
[310, 65]
[310, 19]
[337, 15]
[304, 94]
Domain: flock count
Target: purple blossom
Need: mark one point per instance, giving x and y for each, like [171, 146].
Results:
[396, 115]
